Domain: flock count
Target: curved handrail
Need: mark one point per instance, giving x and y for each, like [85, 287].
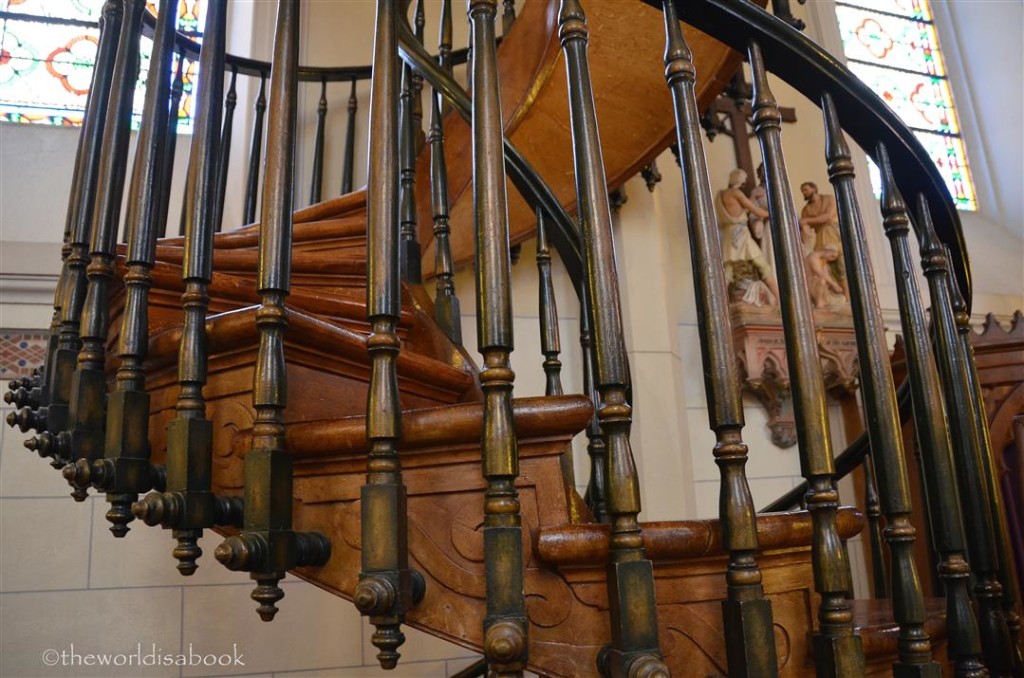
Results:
[254, 67]
[807, 67]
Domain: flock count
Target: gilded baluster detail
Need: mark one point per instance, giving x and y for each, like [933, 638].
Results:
[968, 453]
[505, 626]
[881, 413]
[267, 547]
[750, 640]
[634, 649]
[387, 588]
[188, 505]
[1007, 568]
[125, 469]
[84, 435]
[52, 418]
[837, 649]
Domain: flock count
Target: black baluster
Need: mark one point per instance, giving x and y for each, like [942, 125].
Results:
[224, 161]
[419, 24]
[750, 639]
[177, 89]
[837, 649]
[410, 247]
[944, 514]
[914, 648]
[252, 186]
[446, 303]
[974, 490]
[125, 469]
[317, 180]
[873, 511]
[505, 626]
[53, 417]
[387, 588]
[268, 547]
[596, 495]
[84, 437]
[508, 15]
[550, 344]
[350, 141]
[634, 649]
[188, 505]
[1007, 568]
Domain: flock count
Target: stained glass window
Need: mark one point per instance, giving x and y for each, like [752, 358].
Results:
[892, 46]
[47, 51]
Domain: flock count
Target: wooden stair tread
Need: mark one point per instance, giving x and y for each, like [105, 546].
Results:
[873, 620]
[448, 426]
[234, 330]
[587, 544]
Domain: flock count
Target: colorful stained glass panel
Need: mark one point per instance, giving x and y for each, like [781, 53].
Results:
[890, 41]
[46, 67]
[922, 101]
[917, 9]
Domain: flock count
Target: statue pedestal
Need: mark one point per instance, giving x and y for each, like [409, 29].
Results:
[761, 348]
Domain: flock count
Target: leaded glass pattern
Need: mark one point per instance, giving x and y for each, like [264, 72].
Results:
[47, 51]
[892, 46]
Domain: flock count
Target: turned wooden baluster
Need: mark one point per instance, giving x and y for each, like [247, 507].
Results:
[1007, 568]
[188, 505]
[53, 416]
[505, 626]
[749, 637]
[252, 184]
[550, 343]
[224, 161]
[419, 25]
[837, 649]
[387, 588]
[409, 246]
[268, 547]
[974, 490]
[944, 514]
[634, 647]
[348, 164]
[317, 180]
[84, 435]
[508, 15]
[873, 512]
[914, 649]
[446, 303]
[177, 89]
[125, 469]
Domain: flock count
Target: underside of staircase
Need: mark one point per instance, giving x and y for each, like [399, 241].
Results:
[328, 370]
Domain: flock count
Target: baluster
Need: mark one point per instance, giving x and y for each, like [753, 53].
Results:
[255, 154]
[188, 505]
[84, 435]
[318, 146]
[837, 649]
[550, 345]
[224, 161]
[125, 470]
[410, 248]
[596, 495]
[944, 515]
[508, 15]
[387, 588]
[914, 649]
[873, 511]
[52, 418]
[350, 141]
[505, 626]
[634, 647]
[446, 304]
[268, 547]
[750, 640]
[974, 491]
[177, 89]
[1007, 568]
[419, 24]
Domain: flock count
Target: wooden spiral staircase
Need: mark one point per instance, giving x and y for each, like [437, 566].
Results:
[298, 445]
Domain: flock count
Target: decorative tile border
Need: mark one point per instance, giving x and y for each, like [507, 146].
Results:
[21, 352]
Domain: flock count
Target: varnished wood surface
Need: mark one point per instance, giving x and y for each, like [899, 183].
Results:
[634, 109]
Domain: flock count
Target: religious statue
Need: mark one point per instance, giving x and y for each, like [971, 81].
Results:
[747, 272]
[819, 220]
